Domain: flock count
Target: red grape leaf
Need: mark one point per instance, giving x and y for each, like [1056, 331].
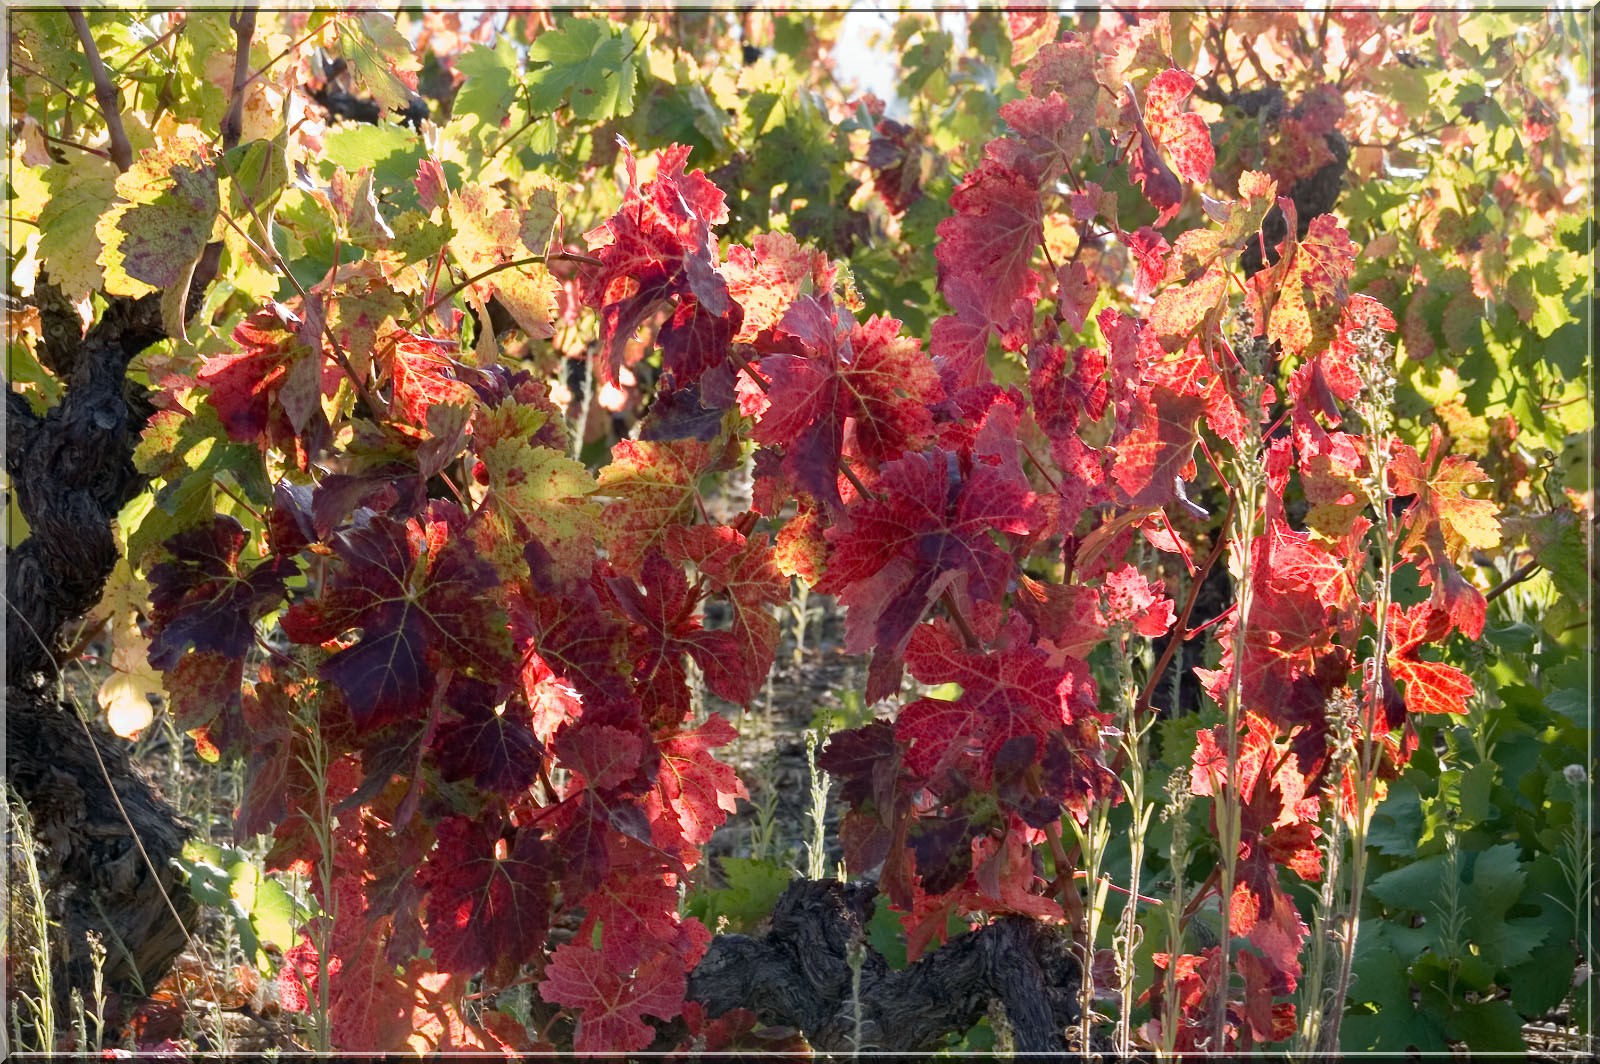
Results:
[1149, 250]
[1152, 458]
[1004, 694]
[654, 486]
[927, 522]
[270, 391]
[695, 789]
[612, 1002]
[602, 756]
[488, 903]
[1180, 311]
[205, 599]
[765, 280]
[572, 653]
[492, 744]
[1183, 134]
[417, 592]
[744, 572]
[634, 908]
[890, 386]
[422, 374]
[990, 238]
[1264, 912]
[1076, 292]
[694, 341]
[1431, 686]
[661, 609]
[1066, 395]
[1131, 599]
[657, 247]
[866, 385]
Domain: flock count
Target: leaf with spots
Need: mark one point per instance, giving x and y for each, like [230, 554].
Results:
[165, 215]
[653, 486]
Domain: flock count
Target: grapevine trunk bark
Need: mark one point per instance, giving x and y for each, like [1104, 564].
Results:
[108, 838]
[799, 975]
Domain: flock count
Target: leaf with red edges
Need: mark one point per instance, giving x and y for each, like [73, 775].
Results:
[1443, 523]
[653, 486]
[270, 391]
[1179, 312]
[422, 374]
[1310, 289]
[766, 278]
[1146, 168]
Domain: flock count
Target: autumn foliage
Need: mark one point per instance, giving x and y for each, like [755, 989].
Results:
[463, 665]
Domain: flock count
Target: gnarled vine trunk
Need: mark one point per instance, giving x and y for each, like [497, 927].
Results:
[799, 975]
[108, 838]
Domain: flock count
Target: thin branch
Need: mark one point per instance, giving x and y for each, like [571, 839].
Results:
[244, 28]
[122, 73]
[968, 636]
[1511, 581]
[1038, 465]
[561, 256]
[27, 71]
[1182, 624]
[270, 63]
[509, 137]
[101, 152]
[104, 92]
[855, 481]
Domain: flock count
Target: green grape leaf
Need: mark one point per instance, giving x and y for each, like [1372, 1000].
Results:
[589, 65]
